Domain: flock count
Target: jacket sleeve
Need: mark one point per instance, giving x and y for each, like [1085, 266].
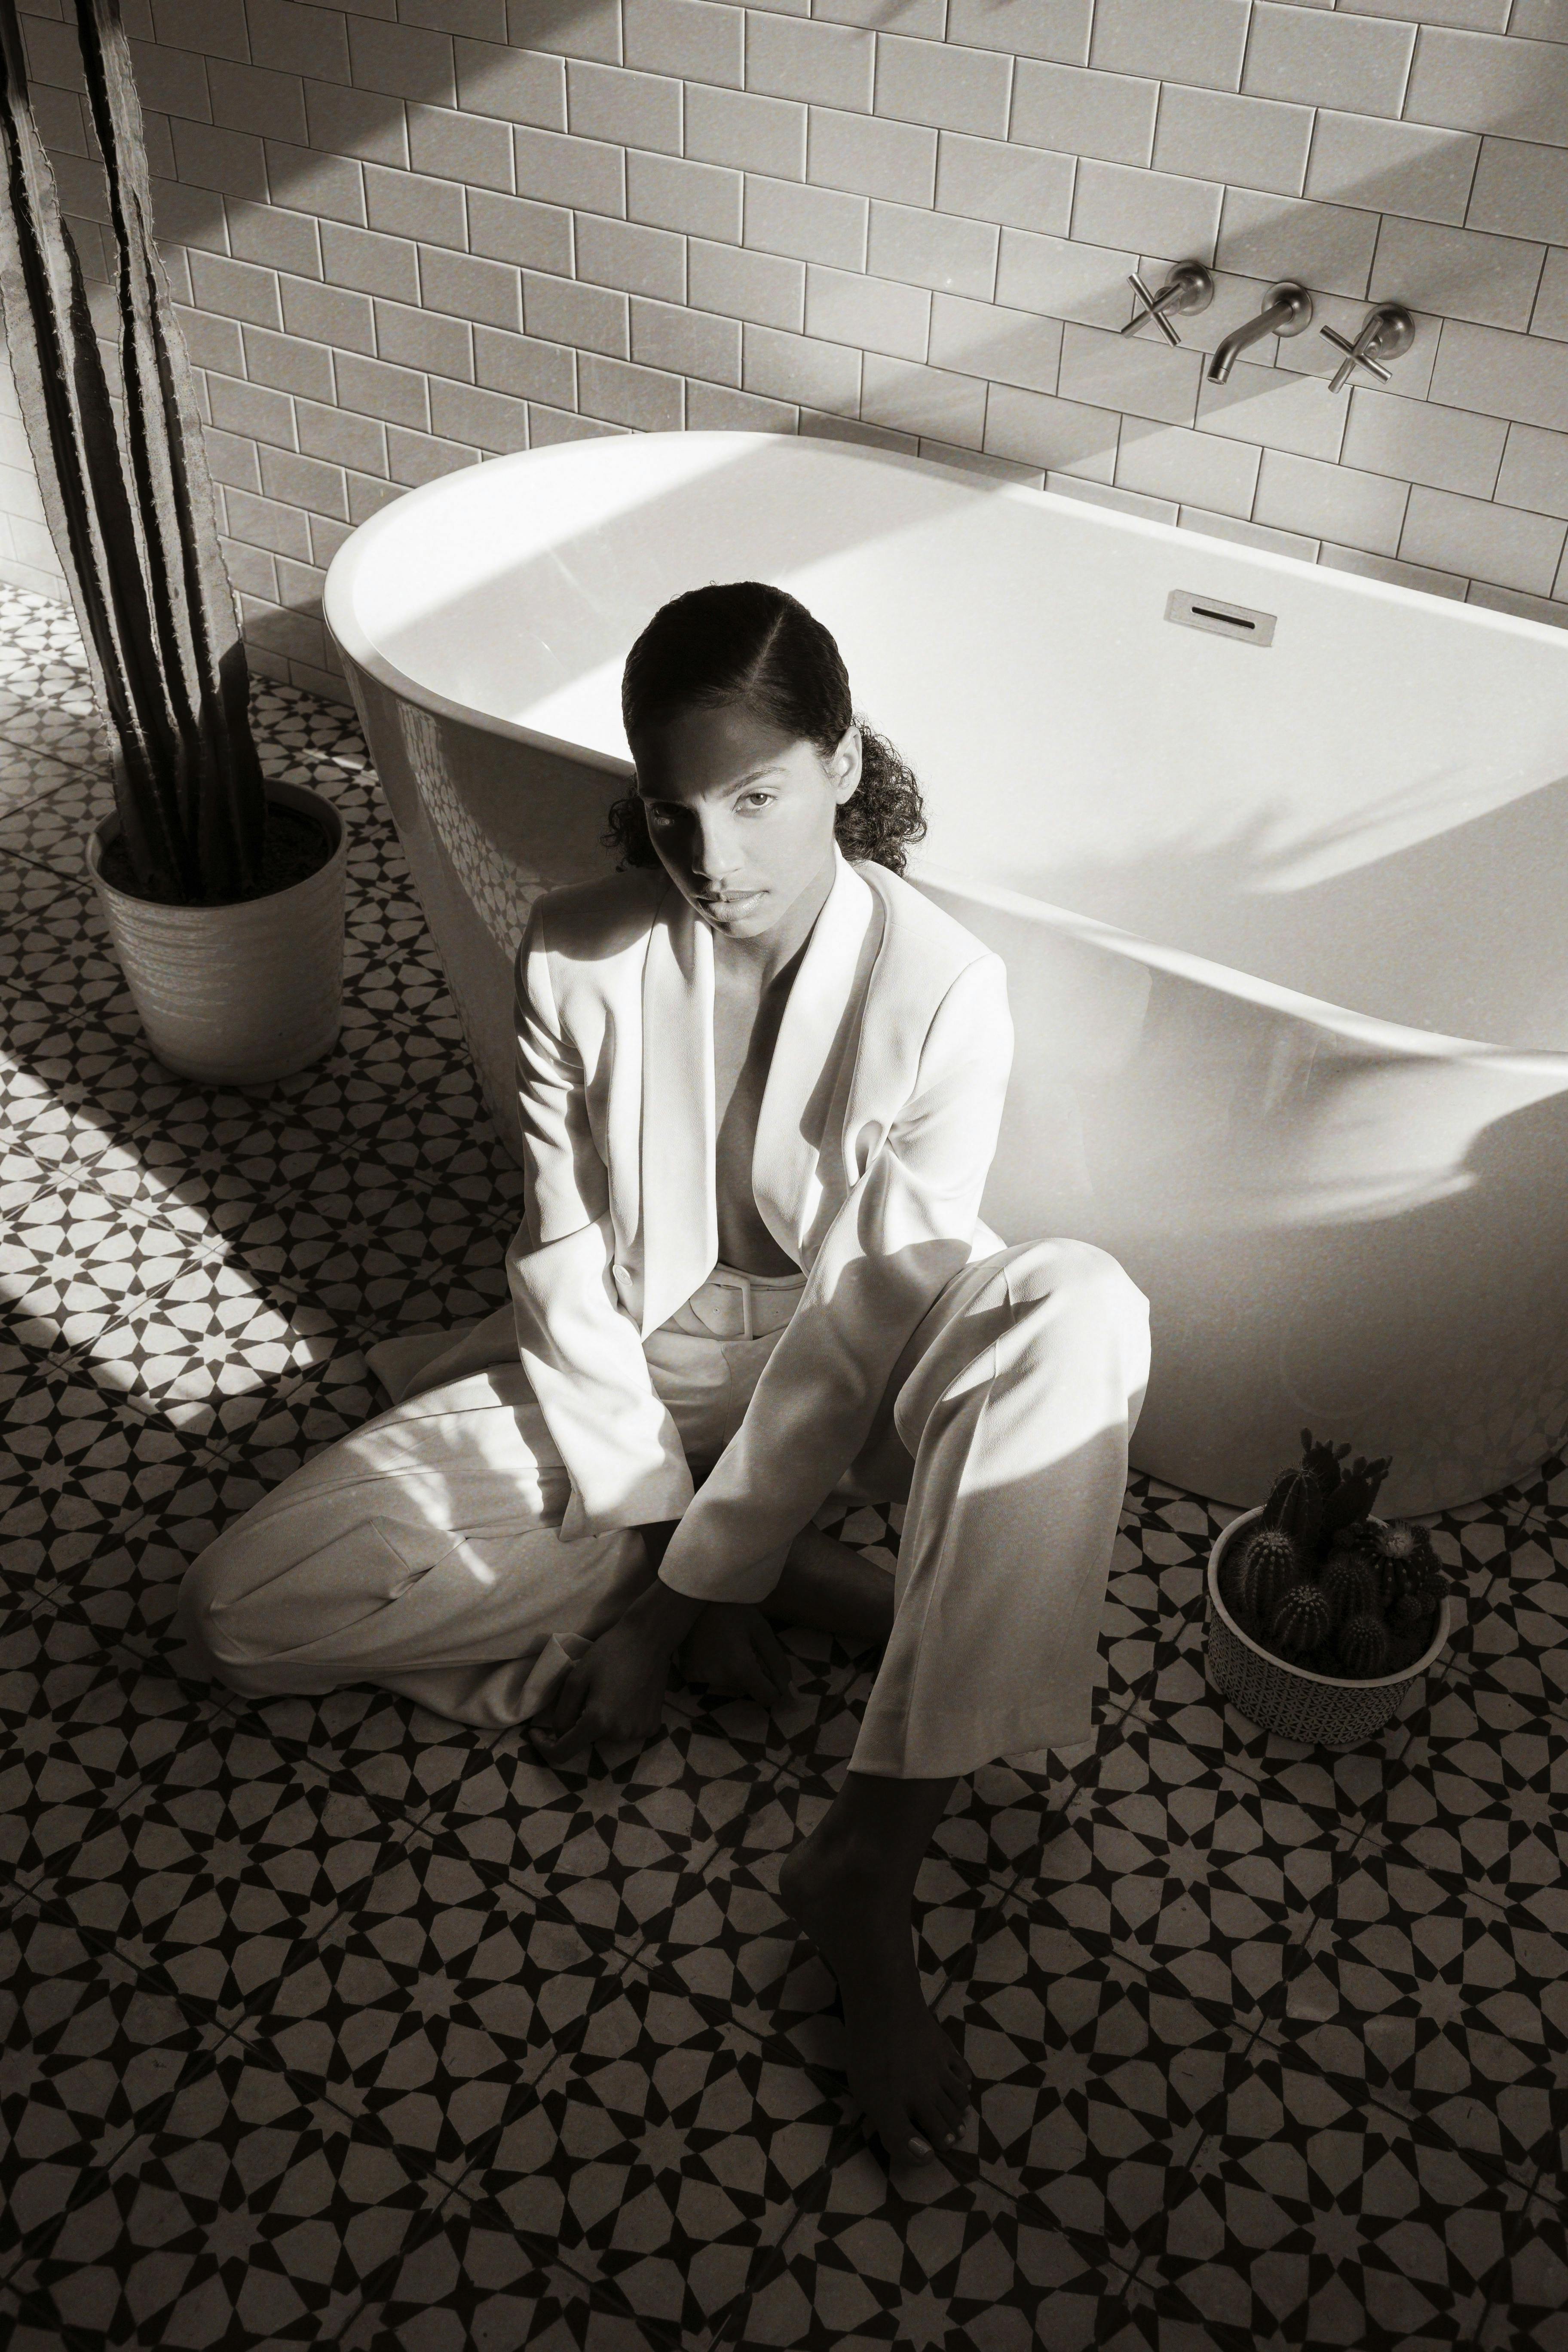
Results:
[581, 1350]
[905, 1229]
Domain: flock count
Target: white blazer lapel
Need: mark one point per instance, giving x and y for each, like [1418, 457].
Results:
[807, 1053]
[679, 1208]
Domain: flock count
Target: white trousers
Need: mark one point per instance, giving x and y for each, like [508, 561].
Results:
[421, 1552]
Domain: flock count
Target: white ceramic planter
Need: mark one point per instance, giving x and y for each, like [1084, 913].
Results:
[240, 994]
[1281, 1698]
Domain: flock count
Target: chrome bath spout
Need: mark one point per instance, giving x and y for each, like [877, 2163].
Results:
[1286, 311]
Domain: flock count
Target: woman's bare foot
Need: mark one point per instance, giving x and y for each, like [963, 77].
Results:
[852, 1896]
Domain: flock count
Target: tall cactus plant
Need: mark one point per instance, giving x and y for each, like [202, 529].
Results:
[130, 502]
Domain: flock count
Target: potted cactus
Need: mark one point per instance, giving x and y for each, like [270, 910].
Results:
[1321, 1615]
[222, 890]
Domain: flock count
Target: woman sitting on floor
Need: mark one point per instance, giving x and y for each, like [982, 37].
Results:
[762, 1078]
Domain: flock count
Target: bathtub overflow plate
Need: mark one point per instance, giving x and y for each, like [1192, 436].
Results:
[1240, 621]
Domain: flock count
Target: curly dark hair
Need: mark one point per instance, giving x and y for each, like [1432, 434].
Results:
[743, 641]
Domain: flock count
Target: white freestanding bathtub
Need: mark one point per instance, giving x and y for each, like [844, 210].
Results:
[1283, 897]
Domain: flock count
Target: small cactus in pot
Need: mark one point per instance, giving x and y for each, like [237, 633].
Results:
[1362, 1645]
[1319, 1583]
[1351, 1586]
[1301, 1622]
[1269, 1564]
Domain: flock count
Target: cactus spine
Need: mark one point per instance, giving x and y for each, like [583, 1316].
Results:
[1296, 1504]
[1362, 1646]
[1301, 1621]
[1322, 1461]
[1268, 1566]
[1408, 1569]
[1350, 1586]
[1356, 1492]
[1419, 1596]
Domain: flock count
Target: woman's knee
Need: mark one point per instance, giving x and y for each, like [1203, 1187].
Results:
[203, 1612]
[1065, 1268]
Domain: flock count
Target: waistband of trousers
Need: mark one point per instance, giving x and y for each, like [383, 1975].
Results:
[734, 1304]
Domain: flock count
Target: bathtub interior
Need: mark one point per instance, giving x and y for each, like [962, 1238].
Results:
[1366, 810]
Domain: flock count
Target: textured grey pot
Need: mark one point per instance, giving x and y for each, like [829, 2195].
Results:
[240, 994]
[1287, 1699]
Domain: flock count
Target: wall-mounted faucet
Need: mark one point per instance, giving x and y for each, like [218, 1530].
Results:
[1385, 332]
[1187, 289]
[1286, 311]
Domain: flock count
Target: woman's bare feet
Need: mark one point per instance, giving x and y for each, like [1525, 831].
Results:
[850, 1886]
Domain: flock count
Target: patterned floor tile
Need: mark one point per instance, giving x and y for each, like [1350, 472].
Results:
[356, 1202]
[406, 1057]
[247, 2213]
[1518, 1642]
[360, 1267]
[68, 730]
[1442, 2002]
[471, 2286]
[45, 802]
[390, 966]
[451, 1143]
[659, 2157]
[381, 1746]
[58, 1126]
[1481, 1797]
[1210, 1845]
[424, 2007]
[91, 2053]
[1091, 2072]
[28, 2320]
[305, 726]
[1307, 2220]
[1534, 2290]
[953, 2268]
[72, 1261]
[88, 1733]
[40, 682]
[268, 1432]
[336, 767]
[1010, 1813]
[206, 1158]
[617, 1846]
[378, 868]
[215, 1331]
[126, 1592]
[220, 1870]
[77, 1468]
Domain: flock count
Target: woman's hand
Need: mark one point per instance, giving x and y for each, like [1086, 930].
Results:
[615, 1692]
[733, 1649]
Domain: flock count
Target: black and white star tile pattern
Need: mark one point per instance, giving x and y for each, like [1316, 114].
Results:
[330, 2022]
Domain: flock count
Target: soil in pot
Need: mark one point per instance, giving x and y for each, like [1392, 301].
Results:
[1405, 1643]
[294, 846]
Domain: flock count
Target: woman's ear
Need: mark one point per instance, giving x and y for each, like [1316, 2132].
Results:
[844, 768]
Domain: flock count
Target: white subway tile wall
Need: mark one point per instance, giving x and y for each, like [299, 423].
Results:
[407, 236]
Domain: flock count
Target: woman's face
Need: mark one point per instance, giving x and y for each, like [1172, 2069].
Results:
[740, 813]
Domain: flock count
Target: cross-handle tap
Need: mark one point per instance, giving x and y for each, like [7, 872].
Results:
[1385, 332]
[1189, 287]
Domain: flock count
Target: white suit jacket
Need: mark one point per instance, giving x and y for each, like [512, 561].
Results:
[875, 1136]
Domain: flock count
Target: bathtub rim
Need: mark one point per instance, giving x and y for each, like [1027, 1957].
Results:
[353, 641]
[359, 650]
